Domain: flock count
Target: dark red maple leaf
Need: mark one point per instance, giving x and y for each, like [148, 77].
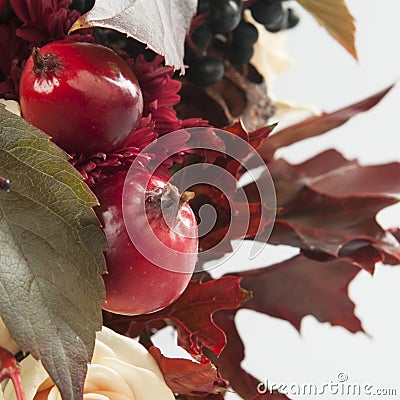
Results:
[244, 384]
[315, 126]
[330, 173]
[233, 146]
[327, 207]
[254, 138]
[300, 286]
[192, 314]
[189, 378]
[289, 290]
[234, 220]
[236, 217]
[325, 224]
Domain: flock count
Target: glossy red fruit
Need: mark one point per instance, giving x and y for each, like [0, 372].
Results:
[83, 95]
[149, 272]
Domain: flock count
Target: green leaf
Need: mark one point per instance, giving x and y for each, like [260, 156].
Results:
[51, 257]
[336, 18]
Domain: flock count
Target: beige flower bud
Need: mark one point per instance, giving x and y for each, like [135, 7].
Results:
[6, 339]
[121, 369]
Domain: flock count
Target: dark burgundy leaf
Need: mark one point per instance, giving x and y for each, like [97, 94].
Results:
[315, 126]
[322, 223]
[396, 233]
[231, 358]
[186, 377]
[192, 314]
[234, 220]
[328, 205]
[300, 286]
[330, 173]
[255, 138]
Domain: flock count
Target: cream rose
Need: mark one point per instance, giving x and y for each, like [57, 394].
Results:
[121, 369]
[6, 339]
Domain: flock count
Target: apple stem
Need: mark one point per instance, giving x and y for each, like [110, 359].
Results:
[44, 64]
[170, 200]
[186, 196]
[38, 61]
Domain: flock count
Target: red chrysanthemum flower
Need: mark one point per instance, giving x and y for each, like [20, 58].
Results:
[160, 95]
[31, 23]
[34, 23]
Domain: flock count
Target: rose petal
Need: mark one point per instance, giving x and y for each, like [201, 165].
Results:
[145, 384]
[33, 376]
[128, 350]
[106, 396]
[101, 378]
[121, 369]
[6, 339]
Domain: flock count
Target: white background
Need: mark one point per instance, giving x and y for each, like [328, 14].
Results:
[325, 75]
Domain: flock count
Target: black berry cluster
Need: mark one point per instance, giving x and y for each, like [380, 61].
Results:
[219, 33]
[273, 16]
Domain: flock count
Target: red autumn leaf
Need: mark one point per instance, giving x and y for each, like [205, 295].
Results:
[233, 216]
[193, 313]
[230, 360]
[327, 207]
[234, 220]
[325, 224]
[186, 377]
[396, 233]
[255, 138]
[315, 126]
[330, 173]
[300, 286]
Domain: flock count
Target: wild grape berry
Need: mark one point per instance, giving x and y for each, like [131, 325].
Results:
[82, 6]
[202, 6]
[293, 18]
[224, 16]
[267, 12]
[201, 37]
[241, 55]
[280, 24]
[206, 71]
[244, 35]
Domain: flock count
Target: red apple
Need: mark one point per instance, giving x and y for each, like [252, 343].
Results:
[150, 272]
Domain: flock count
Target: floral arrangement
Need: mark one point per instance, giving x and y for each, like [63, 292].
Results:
[122, 124]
